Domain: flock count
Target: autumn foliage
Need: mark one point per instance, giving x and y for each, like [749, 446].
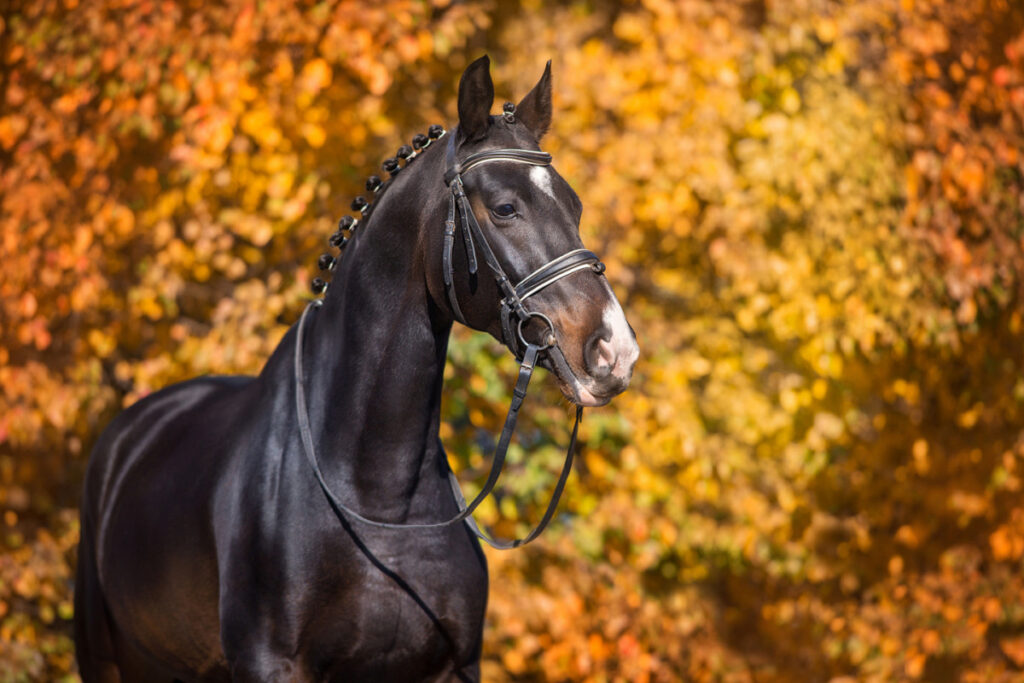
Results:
[812, 212]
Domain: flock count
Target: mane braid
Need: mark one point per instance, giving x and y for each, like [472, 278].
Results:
[376, 186]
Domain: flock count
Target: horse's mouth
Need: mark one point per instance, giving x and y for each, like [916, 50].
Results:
[589, 399]
[576, 390]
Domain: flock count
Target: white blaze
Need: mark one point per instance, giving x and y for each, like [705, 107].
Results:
[541, 177]
[622, 341]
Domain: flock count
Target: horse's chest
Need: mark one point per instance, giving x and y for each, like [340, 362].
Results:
[401, 613]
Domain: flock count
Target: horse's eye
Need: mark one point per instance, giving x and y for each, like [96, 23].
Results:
[504, 211]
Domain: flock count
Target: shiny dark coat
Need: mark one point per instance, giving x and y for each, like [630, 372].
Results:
[209, 553]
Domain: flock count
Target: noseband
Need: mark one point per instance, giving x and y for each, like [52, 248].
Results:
[512, 309]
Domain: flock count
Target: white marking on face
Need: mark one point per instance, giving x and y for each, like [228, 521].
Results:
[541, 177]
[620, 349]
[622, 341]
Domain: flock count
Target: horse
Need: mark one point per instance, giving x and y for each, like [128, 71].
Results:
[297, 525]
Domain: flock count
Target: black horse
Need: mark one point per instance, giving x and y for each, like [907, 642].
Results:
[209, 551]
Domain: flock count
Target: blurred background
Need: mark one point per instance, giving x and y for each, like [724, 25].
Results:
[811, 210]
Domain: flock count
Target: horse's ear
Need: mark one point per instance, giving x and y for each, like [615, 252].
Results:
[476, 95]
[535, 109]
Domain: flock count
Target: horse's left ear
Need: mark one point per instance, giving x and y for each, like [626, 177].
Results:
[535, 109]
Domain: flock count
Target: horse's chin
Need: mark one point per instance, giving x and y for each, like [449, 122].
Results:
[579, 394]
[588, 399]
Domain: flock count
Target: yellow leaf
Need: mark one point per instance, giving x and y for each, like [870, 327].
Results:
[316, 75]
[1013, 647]
[314, 135]
[914, 666]
[790, 101]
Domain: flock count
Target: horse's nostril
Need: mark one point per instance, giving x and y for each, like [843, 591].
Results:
[605, 354]
[599, 354]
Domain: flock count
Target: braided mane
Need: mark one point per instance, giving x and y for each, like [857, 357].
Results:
[363, 207]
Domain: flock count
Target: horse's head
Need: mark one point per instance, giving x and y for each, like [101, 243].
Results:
[528, 217]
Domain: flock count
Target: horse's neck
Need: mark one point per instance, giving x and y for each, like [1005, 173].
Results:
[376, 355]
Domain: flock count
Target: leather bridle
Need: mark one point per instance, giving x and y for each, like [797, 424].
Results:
[514, 315]
[512, 304]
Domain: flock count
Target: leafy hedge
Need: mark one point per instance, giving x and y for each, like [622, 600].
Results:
[812, 212]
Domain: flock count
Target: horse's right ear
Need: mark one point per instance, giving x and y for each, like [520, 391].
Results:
[476, 95]
[534, 110]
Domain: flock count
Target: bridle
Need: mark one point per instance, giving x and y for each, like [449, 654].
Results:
[514, 295]
[514, 315]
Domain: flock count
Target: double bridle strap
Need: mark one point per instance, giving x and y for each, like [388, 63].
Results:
[514, 315]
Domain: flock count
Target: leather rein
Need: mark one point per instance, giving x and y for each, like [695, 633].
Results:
[514, 315]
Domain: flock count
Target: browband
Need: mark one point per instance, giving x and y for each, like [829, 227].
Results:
[521, 156]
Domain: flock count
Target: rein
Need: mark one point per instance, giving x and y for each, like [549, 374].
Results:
[526, 352]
